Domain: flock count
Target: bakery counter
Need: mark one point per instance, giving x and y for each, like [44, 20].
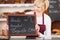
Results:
[37, 38]
[32, 39]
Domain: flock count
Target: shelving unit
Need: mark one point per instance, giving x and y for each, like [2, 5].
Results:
[13, 6]
[55, 36]
[3, 19]
[8, 6]
[16, 5]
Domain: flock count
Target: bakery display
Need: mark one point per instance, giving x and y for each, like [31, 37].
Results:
[15, 1]
[5, 14]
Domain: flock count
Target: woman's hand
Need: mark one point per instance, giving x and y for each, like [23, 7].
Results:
[37, 29]
[5, 30]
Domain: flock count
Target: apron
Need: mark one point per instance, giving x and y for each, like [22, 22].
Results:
[42, 26]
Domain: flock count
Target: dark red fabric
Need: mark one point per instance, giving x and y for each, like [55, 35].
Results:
[42, 28]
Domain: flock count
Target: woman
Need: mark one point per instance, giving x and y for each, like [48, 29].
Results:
[40, 6]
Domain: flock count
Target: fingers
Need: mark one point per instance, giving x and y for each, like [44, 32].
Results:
[37, 29]
[5, 30]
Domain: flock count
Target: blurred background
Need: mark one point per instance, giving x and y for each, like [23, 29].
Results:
[23, 6]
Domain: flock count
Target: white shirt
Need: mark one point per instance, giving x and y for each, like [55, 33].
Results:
[47, 22]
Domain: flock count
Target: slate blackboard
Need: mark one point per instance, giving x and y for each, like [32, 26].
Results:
[23, 25]
[54, 10]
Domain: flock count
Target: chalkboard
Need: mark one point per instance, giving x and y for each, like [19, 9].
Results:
[54, 10]
[21, 25]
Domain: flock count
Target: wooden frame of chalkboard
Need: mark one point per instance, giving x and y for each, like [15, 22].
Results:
[21, 25]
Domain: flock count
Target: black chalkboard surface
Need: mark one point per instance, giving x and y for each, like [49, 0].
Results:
[21, 25]
[54, 10]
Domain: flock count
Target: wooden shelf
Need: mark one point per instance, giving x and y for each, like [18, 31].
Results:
[56, 36]
[3, 19]
[16, 5]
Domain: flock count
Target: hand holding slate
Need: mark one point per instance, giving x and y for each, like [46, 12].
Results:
[37, 27]
[5, 30]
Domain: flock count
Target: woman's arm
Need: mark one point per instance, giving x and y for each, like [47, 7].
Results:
[48, 27]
